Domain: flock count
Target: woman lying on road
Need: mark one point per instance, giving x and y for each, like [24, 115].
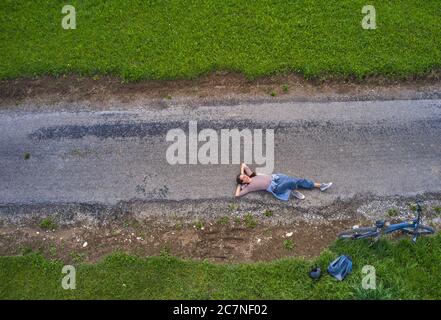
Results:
[280, 185]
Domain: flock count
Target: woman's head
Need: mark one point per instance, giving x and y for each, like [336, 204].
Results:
[243, 179]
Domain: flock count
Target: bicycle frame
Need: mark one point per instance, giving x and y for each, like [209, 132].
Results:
[401, 225]
[414, 227]
[405, 224]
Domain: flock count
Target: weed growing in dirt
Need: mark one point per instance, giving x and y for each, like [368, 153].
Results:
[165, 252]
[233, 206]
[273, 93]
[47, 224]
[250, 222]
[223, 221]
[199, 225]
[26, 249]
[268, 213]
[288, 244]
[392, 213]
[53, 251]
[78, 257]
[237, 220]
[437, 210]
[285, 88]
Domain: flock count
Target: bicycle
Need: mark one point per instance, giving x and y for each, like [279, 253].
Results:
[413, 227]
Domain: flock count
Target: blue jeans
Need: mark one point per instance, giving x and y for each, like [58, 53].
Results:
[285, 183]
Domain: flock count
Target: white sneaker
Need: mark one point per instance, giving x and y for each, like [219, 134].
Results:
[298, 194]
[325, 186]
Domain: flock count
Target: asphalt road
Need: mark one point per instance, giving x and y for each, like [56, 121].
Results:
[381, 148]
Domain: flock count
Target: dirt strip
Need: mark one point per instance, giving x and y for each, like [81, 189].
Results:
[106, 92]
[229, 232]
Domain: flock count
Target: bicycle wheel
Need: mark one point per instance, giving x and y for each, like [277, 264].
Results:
[421, 230]
[359, 233]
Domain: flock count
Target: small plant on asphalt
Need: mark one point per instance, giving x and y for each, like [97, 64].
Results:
[223, 221]
[250, 222]
[268, 213]
[413, 207]
[392, 212]
[288, 244]
[233, 206]
[48, 224]
[27, 156]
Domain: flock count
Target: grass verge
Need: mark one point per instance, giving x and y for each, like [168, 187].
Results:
[404, 270]
[171, 39]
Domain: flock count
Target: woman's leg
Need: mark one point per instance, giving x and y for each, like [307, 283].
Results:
[310, 184]
[293, 183]
[307, 184]
[288, 183]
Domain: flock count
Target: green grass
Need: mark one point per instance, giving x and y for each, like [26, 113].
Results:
[404, 270]
[166, 39]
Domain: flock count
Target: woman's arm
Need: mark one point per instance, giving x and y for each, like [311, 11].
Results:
[244, 169]
[237, 193]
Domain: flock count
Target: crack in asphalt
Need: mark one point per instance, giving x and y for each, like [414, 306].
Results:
[122, 129]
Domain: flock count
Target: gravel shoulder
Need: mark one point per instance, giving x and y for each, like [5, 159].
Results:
[221, 232]
[76, 93]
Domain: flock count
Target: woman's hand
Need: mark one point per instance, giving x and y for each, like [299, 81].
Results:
[242, 168]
